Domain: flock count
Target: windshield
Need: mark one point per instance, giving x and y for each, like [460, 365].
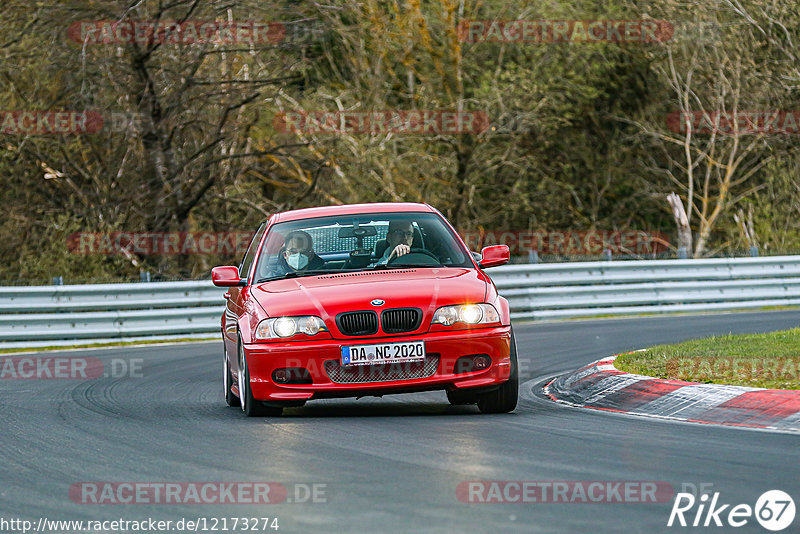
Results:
[359, 242]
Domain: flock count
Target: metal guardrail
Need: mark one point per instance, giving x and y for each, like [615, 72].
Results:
[563, 290]
[77, 314]
[80, 314]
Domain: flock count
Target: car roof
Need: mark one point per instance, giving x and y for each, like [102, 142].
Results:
[351, 209]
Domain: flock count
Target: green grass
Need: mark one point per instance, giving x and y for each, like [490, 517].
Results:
[757, 360]
[109, 344]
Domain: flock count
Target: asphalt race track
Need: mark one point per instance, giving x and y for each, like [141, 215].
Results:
[388, 465]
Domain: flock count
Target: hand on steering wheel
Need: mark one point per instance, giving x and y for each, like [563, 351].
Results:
[398, 251]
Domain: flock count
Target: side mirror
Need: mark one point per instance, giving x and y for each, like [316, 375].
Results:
[227, 276]
[494, 256]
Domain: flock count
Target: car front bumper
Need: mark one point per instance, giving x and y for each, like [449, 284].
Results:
[321, 359]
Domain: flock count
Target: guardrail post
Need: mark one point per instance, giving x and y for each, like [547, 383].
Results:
[144, 276]
[683, 253]
[607, 254]
[58, 280]
[533, 256]
[754, 251]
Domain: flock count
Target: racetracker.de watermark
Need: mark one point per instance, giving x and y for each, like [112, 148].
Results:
[159, 243]
[146, 32]
[67, 367]
[418, 122]
[63, 122]
[50, 122]
[60, 122]
[565, 31]
[771, 122]
[178, 493]
[725, 367]
[572, 492]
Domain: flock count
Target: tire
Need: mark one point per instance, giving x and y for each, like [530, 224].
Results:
[458, 398]
[250, 406]
[227, 382]
[504, 398]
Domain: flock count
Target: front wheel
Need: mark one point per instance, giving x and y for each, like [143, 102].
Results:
[227, 381]
[504, 398]
[250, 406]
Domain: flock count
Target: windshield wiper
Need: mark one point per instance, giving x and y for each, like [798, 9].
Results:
[296, 274]
[408, 266]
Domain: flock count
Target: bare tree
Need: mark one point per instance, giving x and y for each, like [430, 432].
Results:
[191, 121]
[706, 153]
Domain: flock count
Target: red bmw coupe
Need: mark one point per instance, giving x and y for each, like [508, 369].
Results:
[365, 300]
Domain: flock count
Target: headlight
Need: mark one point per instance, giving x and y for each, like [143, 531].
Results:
[466, 313]
[283, 327]
[471, 314]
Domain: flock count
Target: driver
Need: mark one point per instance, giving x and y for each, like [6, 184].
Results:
[399, 237]
[298, 253]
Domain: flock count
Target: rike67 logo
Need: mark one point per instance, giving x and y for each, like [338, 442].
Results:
[774, 510]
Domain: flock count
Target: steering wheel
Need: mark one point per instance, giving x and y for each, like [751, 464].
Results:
[409, 256]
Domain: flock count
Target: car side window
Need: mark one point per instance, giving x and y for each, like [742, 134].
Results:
[247, 261]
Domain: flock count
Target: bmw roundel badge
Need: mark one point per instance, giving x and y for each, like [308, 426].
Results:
[377, 302]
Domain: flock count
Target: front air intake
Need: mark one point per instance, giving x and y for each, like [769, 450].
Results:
[358, 323]
[401, 320]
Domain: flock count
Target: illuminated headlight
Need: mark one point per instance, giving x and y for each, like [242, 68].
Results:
[283, 327]
[466, 313]
[471, 314]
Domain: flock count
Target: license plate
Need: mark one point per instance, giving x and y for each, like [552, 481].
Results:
[409, 351]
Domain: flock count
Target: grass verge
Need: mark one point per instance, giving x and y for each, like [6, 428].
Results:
[756, 360]
[109, 344]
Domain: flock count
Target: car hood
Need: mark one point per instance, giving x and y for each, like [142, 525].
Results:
[328, 295]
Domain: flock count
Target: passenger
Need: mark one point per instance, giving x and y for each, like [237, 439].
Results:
[298, 253]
